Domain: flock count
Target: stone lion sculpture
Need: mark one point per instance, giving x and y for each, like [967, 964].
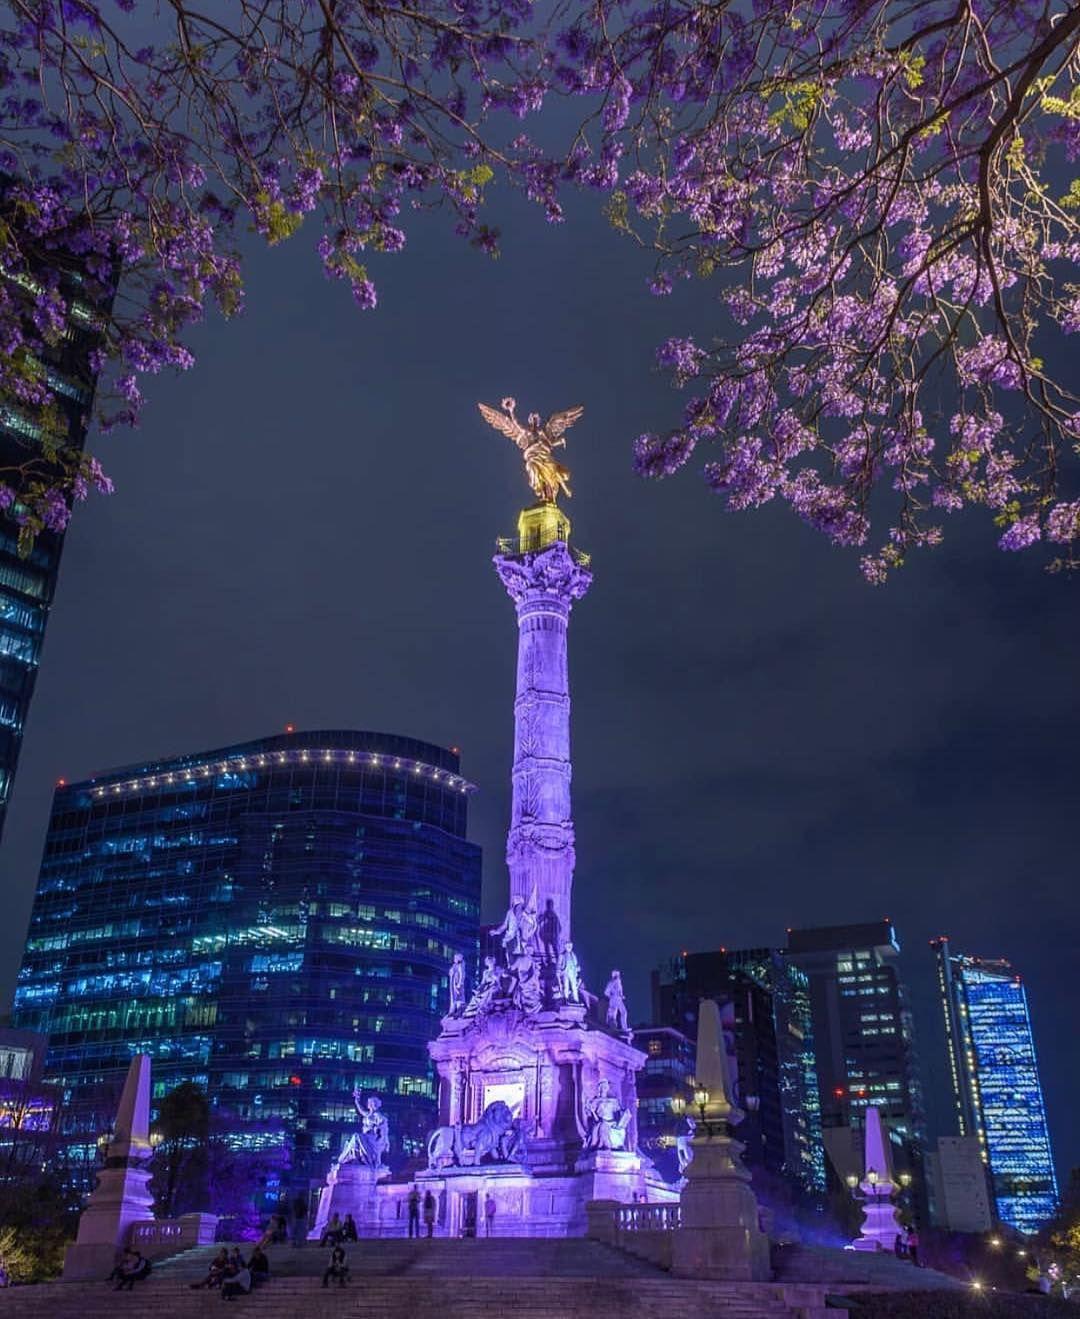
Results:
[469, 1143]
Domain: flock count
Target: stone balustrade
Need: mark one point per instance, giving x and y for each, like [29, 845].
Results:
[157, 1238]
[644, 1230]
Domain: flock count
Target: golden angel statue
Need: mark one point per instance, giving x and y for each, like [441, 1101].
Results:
[546, 474]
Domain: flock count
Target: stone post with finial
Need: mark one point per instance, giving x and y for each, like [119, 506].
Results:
[121, 1196]
[881, 1222]
[720, 1235]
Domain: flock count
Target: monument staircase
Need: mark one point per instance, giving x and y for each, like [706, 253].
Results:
[855, 1270]
[523, 1278]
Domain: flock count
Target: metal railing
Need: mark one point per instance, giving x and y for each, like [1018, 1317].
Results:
[648, 1218]
[148, 1234]
[510, 545]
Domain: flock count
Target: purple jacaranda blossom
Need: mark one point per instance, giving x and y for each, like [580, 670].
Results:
[1022, 533]
[682, 355]
[816, 171]
[53, 511]
[989, 362]
[364, 295]
[1063, 523]
[617, 110]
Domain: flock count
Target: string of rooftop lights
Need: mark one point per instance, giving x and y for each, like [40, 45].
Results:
[271, 759]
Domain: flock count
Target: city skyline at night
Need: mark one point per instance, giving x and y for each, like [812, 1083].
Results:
[763, 734]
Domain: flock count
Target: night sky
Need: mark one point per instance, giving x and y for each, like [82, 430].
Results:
[303, 531]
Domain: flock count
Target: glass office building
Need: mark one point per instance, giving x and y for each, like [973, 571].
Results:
[273, 921]
[864, 1040]
[765, 1008]
[28, 583]
[863, 1026]
[995, 1080]
[665, 1093]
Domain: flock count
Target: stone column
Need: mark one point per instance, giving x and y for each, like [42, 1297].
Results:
[543, 584]
[121, 1196]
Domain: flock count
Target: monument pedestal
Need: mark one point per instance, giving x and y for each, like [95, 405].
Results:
[720, 1236]
[881, 1222]
[545, 1067]
[120, 1199]
[350, 1189]
[121, 1196]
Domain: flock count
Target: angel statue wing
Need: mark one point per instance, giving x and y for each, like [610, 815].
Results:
[505, 422]
[560, 422]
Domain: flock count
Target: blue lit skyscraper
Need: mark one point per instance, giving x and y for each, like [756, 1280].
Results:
[273, 921]
[995, 1079]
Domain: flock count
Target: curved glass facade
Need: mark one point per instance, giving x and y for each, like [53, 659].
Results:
[273, 921]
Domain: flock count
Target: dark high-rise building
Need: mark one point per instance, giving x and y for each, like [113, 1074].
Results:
[864, 1041]
[272, 921]
[765, 1009]
[995, 1082]
[664, 1093]
[28, 581]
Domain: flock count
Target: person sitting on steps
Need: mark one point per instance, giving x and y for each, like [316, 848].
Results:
[218, 1267]
[123, 1262]
[337, 1268]
[259, 1264]
[136, 1269]
[238, 1282]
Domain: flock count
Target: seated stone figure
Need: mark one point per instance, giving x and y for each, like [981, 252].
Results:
[608, 1121]
[514, 1147]
[470, 1143]
[370, 1143]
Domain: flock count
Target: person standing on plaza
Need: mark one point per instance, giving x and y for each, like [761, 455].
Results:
[429, 1213]
[912, 1244]
[490, 1208]
[414, 1212]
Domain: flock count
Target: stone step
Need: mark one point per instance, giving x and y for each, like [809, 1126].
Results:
[410, 1298]
[492, 1257]
[442, 1278]
[837, 1267]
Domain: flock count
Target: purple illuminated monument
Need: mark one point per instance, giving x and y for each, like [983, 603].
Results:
[537, 1070]
[537, 1075]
